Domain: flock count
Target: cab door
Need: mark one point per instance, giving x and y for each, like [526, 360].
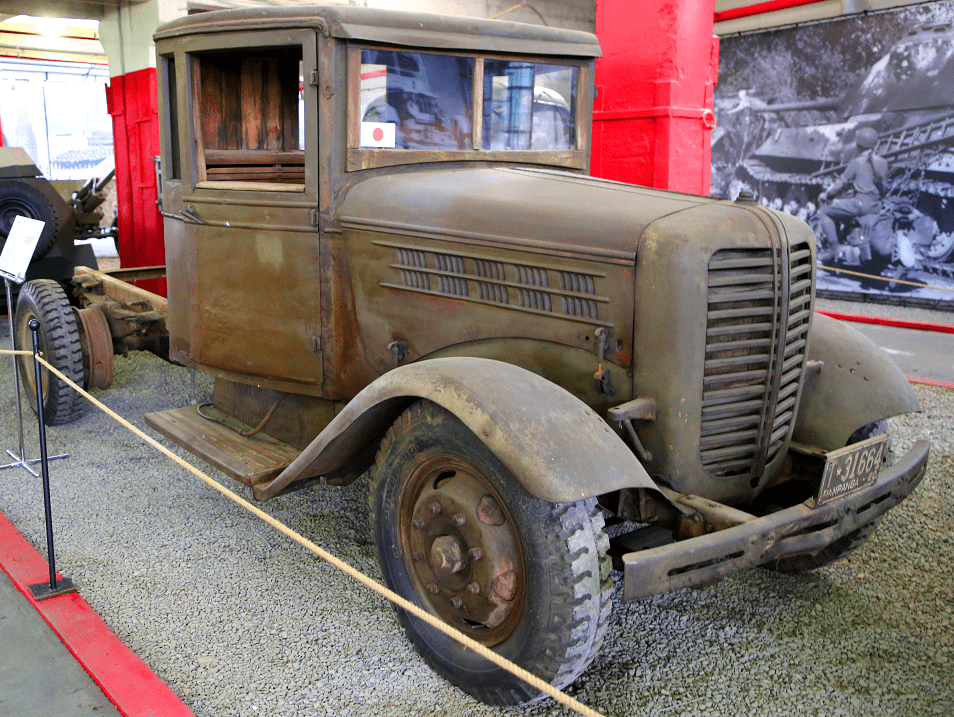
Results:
[241, 241]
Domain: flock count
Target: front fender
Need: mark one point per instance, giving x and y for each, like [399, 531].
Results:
[557, 447]
[857, 385]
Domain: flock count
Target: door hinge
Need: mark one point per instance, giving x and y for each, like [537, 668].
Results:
[313, 78]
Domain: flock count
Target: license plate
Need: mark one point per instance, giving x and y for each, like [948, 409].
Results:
[851, 469]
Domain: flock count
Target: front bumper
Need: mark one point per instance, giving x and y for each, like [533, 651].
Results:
[800, 529]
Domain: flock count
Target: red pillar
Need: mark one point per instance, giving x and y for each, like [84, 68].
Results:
[133, 103]
[653, 114]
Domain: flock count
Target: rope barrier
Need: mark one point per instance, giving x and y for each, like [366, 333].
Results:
[878, 277]
[451, 632]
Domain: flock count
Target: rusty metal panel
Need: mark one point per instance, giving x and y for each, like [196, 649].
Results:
[525, 420]
[255, 302]
[718, 432]
[444, 298]
[514, 207]
[800, 529]
[857, 385]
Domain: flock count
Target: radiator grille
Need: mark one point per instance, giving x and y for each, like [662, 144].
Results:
[756, 335]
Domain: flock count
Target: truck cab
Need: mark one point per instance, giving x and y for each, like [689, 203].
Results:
[267, 135]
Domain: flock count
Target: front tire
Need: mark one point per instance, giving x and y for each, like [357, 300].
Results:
[59, 342]
[457, 534]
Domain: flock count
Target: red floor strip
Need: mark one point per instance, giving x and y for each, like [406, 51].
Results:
[885, 321]
[125, 679]
[930, 382]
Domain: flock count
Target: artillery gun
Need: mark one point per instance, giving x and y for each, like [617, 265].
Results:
[68, 215]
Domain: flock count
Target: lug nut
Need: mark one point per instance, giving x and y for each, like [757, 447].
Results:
[418, 523]
[434, 507]
[476, 553]
[417, 557]
[433, 589]
[460, 519]
[457, 602]
[474, 588]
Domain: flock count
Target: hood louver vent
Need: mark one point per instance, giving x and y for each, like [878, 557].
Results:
[521, 287]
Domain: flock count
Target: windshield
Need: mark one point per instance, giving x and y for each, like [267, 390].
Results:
[416, 101]
[528, 105]
[412, 100]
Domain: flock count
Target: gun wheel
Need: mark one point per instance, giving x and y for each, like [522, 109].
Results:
[59, 343]
[21, 199]
[458, 535]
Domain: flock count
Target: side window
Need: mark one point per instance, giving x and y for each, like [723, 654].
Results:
[247, 118]
[412, 100]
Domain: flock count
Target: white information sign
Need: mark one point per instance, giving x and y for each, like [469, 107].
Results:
[19, 248]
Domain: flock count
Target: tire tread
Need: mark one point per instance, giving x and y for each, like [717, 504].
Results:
[46, 300]
[581, 600]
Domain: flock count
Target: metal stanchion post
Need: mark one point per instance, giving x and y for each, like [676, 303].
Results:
[41, 591]
[21, 460]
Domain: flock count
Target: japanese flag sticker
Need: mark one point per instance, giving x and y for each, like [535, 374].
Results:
[377, 134]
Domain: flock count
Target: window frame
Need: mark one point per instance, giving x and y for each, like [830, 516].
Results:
[305, 41]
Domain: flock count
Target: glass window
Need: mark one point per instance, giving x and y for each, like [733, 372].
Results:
[529, 106]
[57, 113]
[413, 100]
[171, 118]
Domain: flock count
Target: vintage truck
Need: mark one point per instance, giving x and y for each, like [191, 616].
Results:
[383, 243]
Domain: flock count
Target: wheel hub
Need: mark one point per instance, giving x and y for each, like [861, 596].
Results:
[97, 344]
[446, 555]
[463, 552]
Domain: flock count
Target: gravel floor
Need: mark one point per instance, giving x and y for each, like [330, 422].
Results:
[240, 621]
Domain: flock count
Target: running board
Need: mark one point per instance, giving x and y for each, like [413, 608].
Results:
[252, 460]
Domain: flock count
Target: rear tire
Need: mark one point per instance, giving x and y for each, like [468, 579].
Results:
[538, 590]
[59, 343]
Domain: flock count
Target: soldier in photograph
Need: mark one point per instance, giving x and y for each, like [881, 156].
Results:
[865, 178]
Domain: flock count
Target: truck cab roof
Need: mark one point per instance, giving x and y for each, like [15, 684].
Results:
[393, 27]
